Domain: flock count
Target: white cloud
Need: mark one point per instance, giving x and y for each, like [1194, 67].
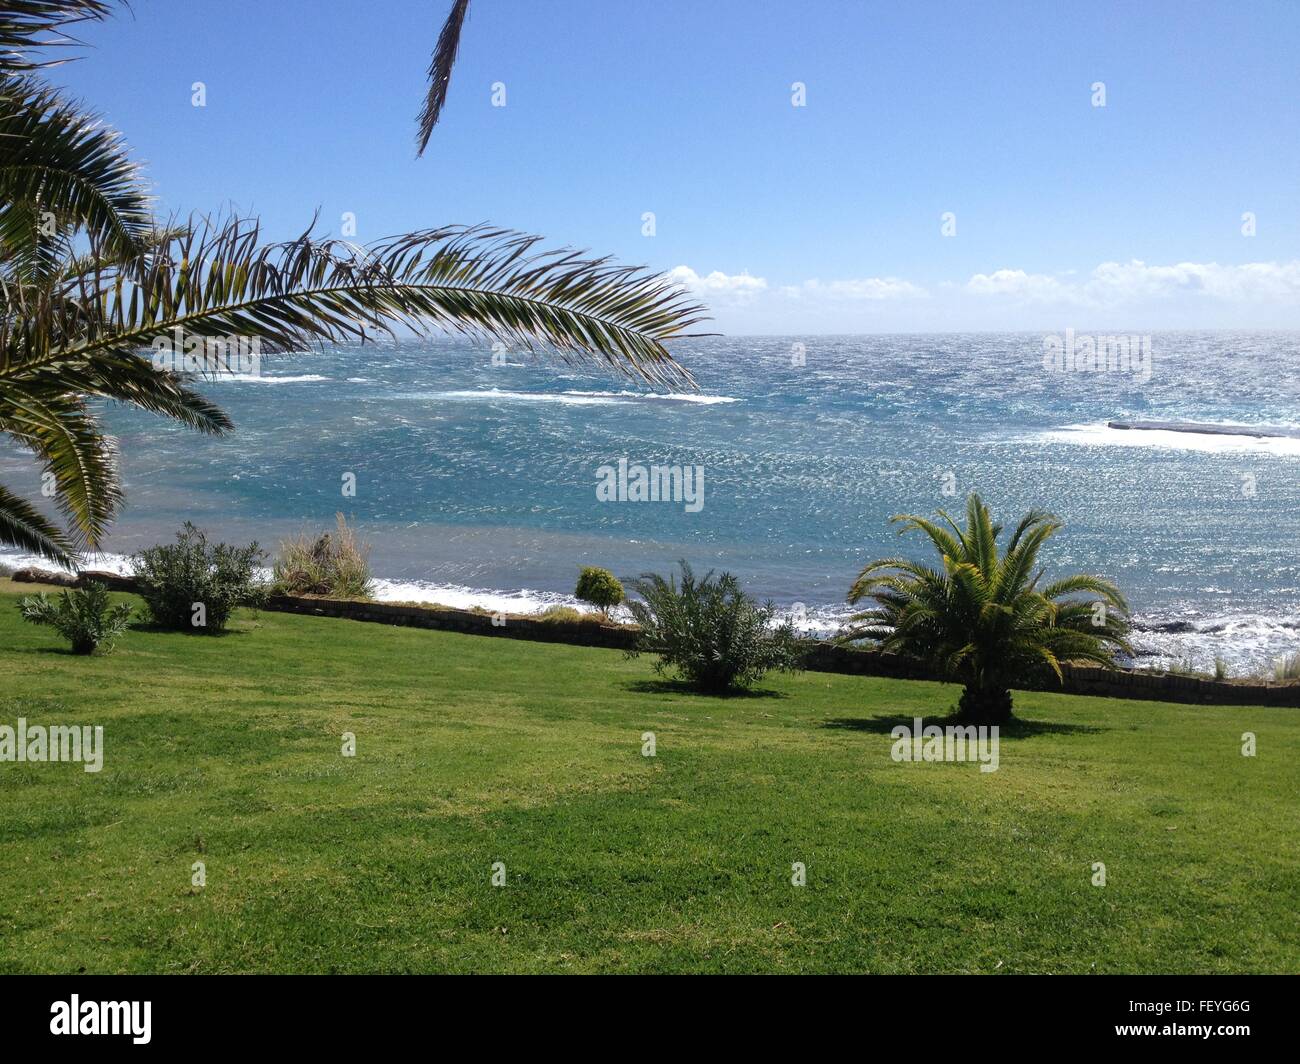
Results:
[1122, 284]
[737, 285]
[1134, 293]
[857, 289]
[745, 285]
[1017, 284]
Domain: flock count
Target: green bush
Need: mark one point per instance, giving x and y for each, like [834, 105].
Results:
[177, 578]
[328, 565]
[713, 634]
[600, 587]
[84, 618]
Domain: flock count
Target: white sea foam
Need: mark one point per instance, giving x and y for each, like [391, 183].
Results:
[461, 597]
[570, 397]
[497, 395]
[256, 378]
[679, 397]
[1168, 439]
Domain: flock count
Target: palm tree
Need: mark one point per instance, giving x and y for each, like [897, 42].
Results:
[89, 279]
[982, 619]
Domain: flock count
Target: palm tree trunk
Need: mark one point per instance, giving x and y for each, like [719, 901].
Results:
[984, 705]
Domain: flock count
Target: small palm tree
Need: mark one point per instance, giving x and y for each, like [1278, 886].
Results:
[982, 619]
[89, 280]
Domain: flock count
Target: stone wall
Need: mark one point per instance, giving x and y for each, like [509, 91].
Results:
[822, 657]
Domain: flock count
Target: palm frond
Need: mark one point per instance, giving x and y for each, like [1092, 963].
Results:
[444, 58]
[72, 447]
[26, 25]
[25, 527]
[219, 281]
[60, 160]
[127, 377]
[1090, 585]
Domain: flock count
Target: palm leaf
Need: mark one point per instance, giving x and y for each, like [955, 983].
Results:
[444, 58]
[57, 158]
[72, 447]
[30, 24]
[220, 281]
[25, 527]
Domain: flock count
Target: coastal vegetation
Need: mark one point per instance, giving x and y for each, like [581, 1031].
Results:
[471, 751]
[709, 631]
[599, 587]
[83, 617]
[328, 564]
[981, 616]
[566, 615]
[194, 586]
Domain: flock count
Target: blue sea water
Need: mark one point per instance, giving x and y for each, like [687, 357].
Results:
[476, 482]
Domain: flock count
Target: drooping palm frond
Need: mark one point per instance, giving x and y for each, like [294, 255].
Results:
[980, 617]
[220, 281]
[26, 25]
[128, 377]
[59, 164]
[444, 58]
[69, 441]
[25, 527]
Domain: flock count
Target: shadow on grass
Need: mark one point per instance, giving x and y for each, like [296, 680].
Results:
[681, 687]
[155, 628]
[1016, 728]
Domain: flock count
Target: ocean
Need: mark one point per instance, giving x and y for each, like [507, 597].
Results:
[476, 477]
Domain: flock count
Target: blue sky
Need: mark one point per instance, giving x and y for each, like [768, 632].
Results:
[821, 218]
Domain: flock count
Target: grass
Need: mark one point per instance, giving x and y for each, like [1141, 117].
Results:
[473, 750]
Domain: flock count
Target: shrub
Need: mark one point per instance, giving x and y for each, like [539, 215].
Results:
[328, 565]
[569, 614]
[600, 587]
[561, 613]
[1287, 667]
[713, 634]
[84, 618]
[176, 578]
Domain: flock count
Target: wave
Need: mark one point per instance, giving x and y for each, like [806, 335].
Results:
[1203, 438]
[1209, 428]
[497, 395]
[251, 378]
[679, 397]
[571, 397]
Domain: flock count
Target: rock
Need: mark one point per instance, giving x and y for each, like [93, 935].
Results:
[33, 575]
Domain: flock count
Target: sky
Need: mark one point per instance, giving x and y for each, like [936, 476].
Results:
[825, 166]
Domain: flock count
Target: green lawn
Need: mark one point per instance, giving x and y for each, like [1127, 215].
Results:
[473, 750]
